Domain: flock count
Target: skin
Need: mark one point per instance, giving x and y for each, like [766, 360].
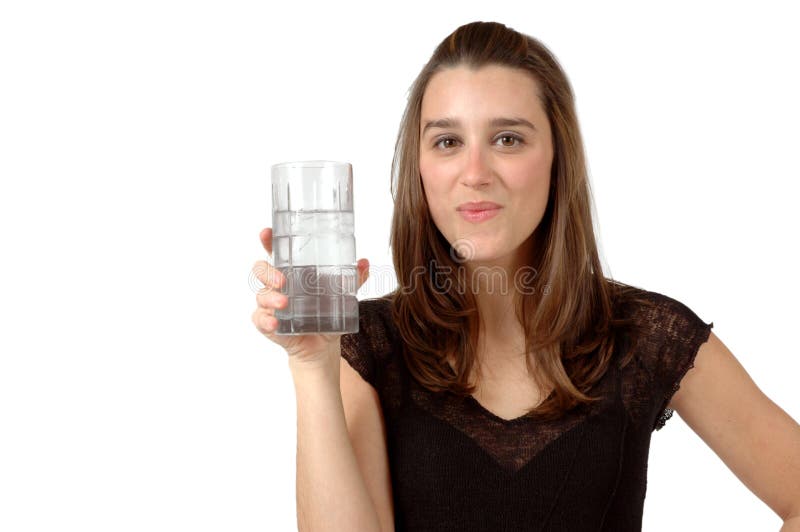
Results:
[479, 162]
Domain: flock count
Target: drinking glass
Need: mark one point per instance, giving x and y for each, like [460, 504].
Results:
[314, 246]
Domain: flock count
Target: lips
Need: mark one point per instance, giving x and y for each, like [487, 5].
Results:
[478, 211]
[478, 206]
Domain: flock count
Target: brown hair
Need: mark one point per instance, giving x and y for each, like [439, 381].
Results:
[568, 310]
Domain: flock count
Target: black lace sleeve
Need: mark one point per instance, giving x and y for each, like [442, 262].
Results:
[680, 334]
[366, 350]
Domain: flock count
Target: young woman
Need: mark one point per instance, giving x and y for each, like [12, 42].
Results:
[507, 384]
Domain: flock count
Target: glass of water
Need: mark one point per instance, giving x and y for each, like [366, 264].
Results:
[314, 246]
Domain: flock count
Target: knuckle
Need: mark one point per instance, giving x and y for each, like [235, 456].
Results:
[270, 299]
[262, 297]
[262, 271]
[261, 321]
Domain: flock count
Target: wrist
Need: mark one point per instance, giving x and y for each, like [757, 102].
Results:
[321, 366]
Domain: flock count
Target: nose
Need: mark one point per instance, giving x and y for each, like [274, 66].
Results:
[477, 172]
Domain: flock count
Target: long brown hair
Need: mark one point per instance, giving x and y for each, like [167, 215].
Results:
[567, 311]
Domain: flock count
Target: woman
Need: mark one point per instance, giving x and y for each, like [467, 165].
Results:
[507, 384]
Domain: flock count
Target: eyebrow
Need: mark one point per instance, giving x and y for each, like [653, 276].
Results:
[495, 122]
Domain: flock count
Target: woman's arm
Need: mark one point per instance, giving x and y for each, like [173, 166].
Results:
[753, 436]
[331, 492]
[791, 525]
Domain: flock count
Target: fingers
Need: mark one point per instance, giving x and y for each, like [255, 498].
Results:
[266, 239]
[268, 274]
[363, 272]
[264, 322]
[270, 300]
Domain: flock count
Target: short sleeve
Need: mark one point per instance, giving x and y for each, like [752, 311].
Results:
[366, 350]
[681, 332]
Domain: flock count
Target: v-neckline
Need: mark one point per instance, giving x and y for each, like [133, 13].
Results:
[491, 415]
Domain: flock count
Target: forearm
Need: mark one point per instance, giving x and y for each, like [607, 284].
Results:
[791, 525]
[331, 492]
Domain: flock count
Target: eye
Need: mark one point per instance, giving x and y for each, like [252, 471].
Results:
[503, 137]
[512, 137]
[443, 139]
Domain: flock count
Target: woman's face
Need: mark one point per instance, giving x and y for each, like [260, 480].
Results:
[471, 150]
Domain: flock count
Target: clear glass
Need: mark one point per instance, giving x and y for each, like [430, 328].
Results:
[314, 246]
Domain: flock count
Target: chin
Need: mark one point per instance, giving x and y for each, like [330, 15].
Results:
[484, 256]
[491, 254]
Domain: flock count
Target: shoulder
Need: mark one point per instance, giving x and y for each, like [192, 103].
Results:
[668, 331]
[375, 316]
[669, 335]
[375, 307]
[371, 349]
[658, 314]
[375, 336]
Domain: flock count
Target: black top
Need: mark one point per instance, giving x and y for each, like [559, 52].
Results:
[455, 466]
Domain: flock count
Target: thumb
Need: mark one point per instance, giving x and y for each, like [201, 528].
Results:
[363, 272]
[266, 239]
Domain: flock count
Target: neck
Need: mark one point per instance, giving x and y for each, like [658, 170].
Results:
[501, 338]
[495, 286]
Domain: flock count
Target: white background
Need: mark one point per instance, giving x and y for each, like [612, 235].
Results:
[135, 143]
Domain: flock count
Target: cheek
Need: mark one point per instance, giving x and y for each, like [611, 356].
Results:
[536, 194]
[529, 184]
[436, 199]
[535, 175]
[530, 193]
[432, 187]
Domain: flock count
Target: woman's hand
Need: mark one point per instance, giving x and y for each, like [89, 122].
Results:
[311, 348]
